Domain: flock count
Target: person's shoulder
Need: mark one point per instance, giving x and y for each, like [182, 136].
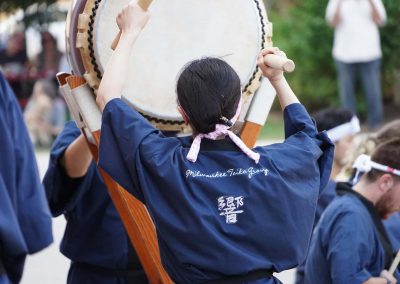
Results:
[347, 202]
[344, 205]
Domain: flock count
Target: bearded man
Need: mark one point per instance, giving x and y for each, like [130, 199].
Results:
[350, 244]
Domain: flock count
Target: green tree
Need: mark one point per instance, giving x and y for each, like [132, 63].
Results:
[37, 14]
[390, 35]
[12, 5]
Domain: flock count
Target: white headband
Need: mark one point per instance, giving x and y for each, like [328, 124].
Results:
[349, 128]
[364, 164]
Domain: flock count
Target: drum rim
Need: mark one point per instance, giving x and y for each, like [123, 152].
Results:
[75, 61]
[95, 69]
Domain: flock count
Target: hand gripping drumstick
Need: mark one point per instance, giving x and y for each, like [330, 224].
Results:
[144, 4]
[278, 62]
[395, 263]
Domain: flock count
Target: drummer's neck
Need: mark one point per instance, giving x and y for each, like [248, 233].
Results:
[220, 137]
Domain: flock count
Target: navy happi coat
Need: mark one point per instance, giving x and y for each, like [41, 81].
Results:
[222, 215]
[25, 221]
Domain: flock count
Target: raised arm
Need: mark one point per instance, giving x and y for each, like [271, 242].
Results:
[284, 93]
[76, 159]
[378, 12]
[70, 173]
[131, 20]
[333, 12]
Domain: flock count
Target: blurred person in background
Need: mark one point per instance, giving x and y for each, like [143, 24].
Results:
[95, 239]
[366, 144]
[74, 188]
[15, 65]
[48, 60]
[388, 132]
[341, 126]
[350, 243]
[45, 113]
[391, 131]
[25, 220]
[357, 52]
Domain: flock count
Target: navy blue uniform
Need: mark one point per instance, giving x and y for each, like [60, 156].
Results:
[94, 239]
[346, 246]
[392, 226]
[326, 197]
[223, 215]
[25, 221]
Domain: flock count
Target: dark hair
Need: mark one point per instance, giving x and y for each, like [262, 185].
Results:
[208, 90]
[48, 37]
[387, 154]
[329, 118]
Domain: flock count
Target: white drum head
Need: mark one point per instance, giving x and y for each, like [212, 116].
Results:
[178, 32]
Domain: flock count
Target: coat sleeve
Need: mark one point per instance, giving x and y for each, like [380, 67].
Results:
[349, 235]
[126, 140]
[62, 191]
[307, 144]
[381, 10]
[21, 175]
[330, 10]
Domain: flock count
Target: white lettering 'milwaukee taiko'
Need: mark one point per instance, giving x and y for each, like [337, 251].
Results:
[249, 172]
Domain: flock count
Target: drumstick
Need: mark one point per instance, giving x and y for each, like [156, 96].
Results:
[279, 62]
[144, 4]
[395, 263]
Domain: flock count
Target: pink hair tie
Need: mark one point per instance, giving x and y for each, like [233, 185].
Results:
[221, 129]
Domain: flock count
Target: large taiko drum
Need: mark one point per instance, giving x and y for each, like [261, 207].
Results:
[177, 32]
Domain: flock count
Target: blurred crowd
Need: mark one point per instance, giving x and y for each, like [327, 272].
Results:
[353, 182]
[34, 84]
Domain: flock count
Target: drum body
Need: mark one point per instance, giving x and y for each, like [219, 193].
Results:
[177, 33]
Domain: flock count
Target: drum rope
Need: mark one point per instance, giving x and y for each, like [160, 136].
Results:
[150, 118]
[97, 70]
[262, 44]
[90, 39]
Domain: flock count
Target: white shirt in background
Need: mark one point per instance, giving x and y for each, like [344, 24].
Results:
[356, 35]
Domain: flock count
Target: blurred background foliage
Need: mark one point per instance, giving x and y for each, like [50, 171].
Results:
[301, 30]
[35, 14]
[41, 15]
[12, 5]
